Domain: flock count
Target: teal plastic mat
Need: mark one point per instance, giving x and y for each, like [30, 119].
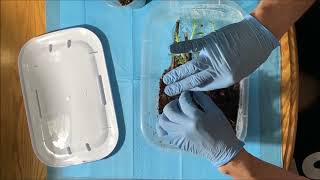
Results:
[135, 157]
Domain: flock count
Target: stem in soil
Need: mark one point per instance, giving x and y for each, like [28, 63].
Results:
[187, 55]
[175, 40]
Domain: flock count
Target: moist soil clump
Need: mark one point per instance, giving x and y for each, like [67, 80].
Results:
[125, 2]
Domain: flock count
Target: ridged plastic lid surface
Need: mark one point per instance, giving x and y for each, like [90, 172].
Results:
[68, 98]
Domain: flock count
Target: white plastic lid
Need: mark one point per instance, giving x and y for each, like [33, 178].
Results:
[68, 99]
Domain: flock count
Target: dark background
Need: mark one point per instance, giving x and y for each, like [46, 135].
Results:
[308, 130]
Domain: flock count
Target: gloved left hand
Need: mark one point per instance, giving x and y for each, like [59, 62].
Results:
[202, 131]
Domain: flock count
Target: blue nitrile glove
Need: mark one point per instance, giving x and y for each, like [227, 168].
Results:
[226, 56]
[205, 132]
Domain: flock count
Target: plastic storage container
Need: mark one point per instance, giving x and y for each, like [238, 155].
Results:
[158, 35]
[68, 98]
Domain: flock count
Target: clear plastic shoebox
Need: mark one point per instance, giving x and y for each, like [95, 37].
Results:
[157, 37]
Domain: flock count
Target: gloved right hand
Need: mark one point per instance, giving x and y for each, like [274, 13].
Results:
[226, 56]
[202, 131]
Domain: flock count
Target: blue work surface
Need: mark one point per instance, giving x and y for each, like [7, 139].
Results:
[136, 158]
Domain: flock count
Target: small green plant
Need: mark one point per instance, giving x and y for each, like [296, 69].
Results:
[179, 59]
[213, 26]
[194, 28]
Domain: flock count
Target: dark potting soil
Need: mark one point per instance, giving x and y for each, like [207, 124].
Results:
[125, 2]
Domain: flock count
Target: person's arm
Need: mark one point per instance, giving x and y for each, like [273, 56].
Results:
[246, 166]
[278, 15]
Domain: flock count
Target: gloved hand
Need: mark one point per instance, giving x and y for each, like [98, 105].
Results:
[226, 56]
[202, 131]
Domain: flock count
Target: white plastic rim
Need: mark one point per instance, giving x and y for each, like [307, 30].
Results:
[68, 98]
[135, 4]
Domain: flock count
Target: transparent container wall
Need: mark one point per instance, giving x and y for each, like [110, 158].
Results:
[158, 35]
